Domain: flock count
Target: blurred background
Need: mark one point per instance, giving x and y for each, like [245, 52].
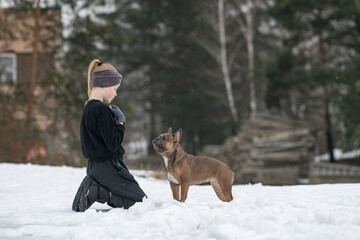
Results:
[271, 87]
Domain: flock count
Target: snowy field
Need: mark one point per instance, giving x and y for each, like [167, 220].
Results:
[35, 203]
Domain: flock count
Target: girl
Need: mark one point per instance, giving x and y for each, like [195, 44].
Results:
[102, 131]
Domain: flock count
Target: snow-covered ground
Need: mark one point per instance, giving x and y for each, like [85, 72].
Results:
[338, 155]
[35, 203]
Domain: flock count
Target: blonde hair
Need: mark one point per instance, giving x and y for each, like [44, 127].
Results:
[94, 66]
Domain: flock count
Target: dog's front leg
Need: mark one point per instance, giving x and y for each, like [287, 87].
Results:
[175, 190]
[184, 191]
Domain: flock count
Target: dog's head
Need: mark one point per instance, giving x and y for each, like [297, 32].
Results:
[165, 143]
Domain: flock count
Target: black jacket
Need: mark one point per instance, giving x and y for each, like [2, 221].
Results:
[101, 138]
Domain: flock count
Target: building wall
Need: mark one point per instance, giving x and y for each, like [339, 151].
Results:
[17, 30]
[45, 67]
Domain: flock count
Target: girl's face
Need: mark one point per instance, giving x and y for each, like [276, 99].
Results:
[110, 93]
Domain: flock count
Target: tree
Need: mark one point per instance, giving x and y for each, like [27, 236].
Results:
[185, 101]
[344, 33]
[306, 21]
[165, 64]
[245, 20]
[217, 48]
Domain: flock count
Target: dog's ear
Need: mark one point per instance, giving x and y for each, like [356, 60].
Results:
[170, 130]
[178, 135]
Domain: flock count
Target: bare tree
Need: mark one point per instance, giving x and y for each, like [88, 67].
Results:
[246, 23]
[216, 46]
[223, 62]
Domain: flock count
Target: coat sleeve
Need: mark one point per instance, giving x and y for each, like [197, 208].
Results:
[111, 132]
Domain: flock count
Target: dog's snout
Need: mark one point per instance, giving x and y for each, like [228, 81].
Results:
[155, 141]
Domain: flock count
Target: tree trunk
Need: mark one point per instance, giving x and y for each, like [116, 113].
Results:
[247, 29]
[224, 64]
[250, 48]
[34, 64]
[329, 138]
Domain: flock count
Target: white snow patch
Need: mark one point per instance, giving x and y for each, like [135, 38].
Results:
[35, 203]
[338, 155]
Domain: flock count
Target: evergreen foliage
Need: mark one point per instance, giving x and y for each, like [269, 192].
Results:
[299, 66]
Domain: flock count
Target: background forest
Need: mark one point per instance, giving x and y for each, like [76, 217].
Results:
[204, 66]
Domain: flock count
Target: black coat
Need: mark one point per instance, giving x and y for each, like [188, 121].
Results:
[101, 140]
[101, 137]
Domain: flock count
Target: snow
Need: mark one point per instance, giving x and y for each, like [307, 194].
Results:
[35, 203]
[338, 155]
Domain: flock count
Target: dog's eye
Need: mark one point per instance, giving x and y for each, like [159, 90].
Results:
[164, 138]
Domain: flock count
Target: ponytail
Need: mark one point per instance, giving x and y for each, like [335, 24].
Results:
[95, 66]
[92, 65]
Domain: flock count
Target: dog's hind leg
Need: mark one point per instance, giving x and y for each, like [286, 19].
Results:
[226, 186]
[227, 192]
[217, 188]
[175, 191]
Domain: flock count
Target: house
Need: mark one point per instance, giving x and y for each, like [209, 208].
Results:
[16, 54]
[16, 46]
[16, 42]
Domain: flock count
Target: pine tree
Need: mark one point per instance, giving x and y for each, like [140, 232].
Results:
[306, 22]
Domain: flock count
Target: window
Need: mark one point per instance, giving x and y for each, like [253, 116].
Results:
[8, 67]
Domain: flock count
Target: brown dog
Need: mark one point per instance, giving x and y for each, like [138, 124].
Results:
[185, 169]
